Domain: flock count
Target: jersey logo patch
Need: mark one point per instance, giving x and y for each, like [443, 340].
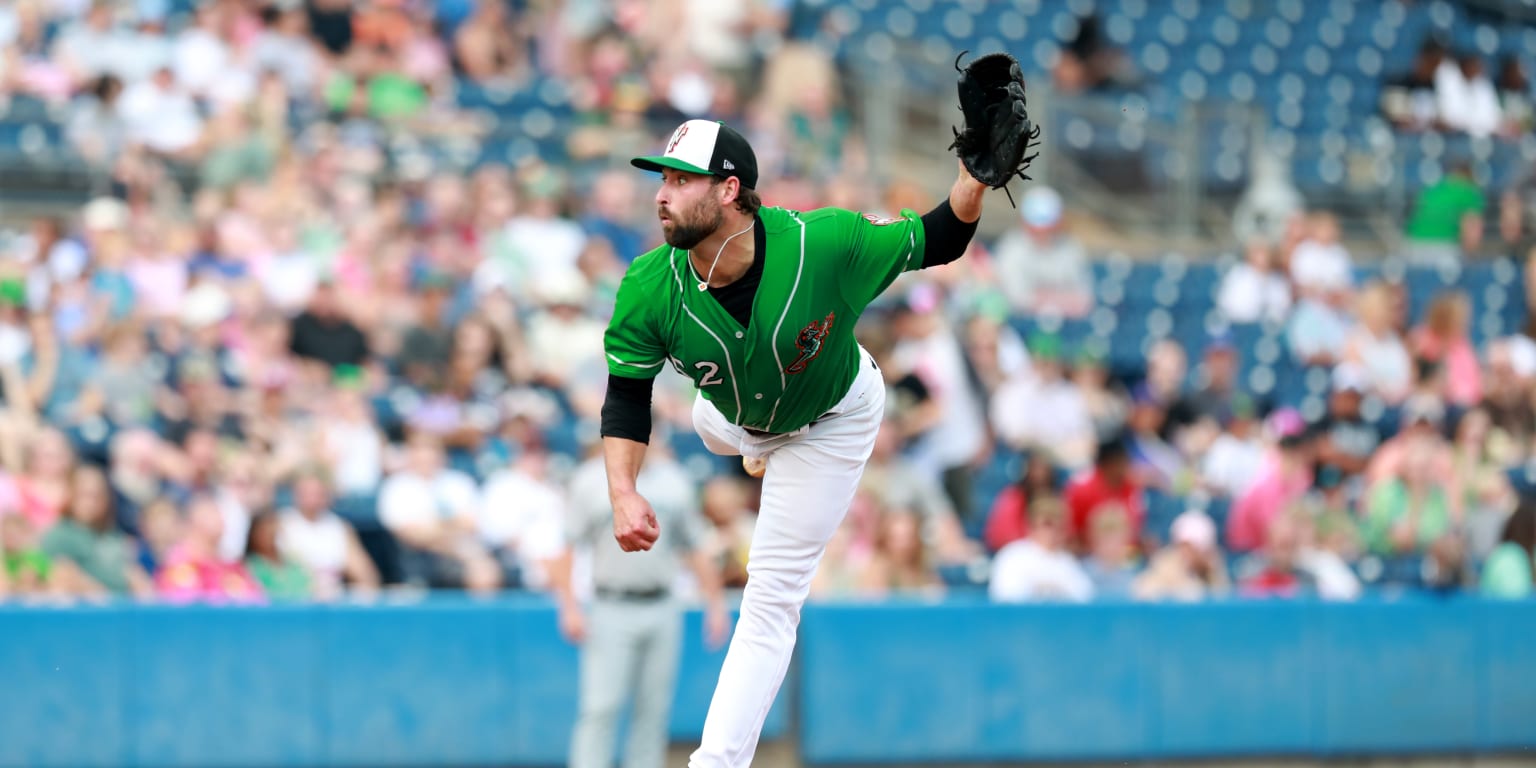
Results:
[879, 221]
[809, 341]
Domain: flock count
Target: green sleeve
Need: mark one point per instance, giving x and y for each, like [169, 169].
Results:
[633, 342]
[1385, 502]
[1507, 573]
[60, 541]
[877, 250]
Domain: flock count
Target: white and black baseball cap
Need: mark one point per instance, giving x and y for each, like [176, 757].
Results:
[706, 146]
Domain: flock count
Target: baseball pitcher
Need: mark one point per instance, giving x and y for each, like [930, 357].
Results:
[758, 305]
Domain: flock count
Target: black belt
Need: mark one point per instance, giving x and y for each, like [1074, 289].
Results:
[762, 433]
[634, 595]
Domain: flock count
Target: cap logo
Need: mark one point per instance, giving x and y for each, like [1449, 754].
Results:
[729, 166]
[677, 136]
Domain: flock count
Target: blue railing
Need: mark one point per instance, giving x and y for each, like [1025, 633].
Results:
[462, 682]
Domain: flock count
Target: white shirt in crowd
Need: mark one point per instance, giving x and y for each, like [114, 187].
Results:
[410, 499]
[939, 361]
[1467, 105]
[1046, 415]
[1232, 464]
[359, 451]
[1321, 266]
[164, 119]
[1385, 361]
[1025, 572]
[1251, 295]
[520, 511]
[320, 545]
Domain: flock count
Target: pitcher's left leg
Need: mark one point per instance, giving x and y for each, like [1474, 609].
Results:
[806, 493]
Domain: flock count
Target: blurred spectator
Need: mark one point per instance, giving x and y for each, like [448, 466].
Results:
[1217, 394]
[1276, 572]
[423, 354]
[96, 126]
[544, 244]
[1506, 395]
[1042, 268]
[1375, 346]
[1089, 62]
[1346, 441]
[28, 569]
[1270, 202]
[1320, 263]
[1481, 480]
[1111, 547]
[323, 334]
[1444, 339]
[1190, 568]
[522, 510]
[433, 511]
[488, 45]
[1155, 463]
[927, 348]
[1236, 456]
[1515, 95]
[563, 338]
[87, 539]
[1167, 366]
[1042, 410]
[1511, 568]
[1467, 99]
[39, 488]
[725, 506]
[193, 570]
[1105, 399]
[1255, 290]
[1290, 566]
[896, 484]
[282, 578]
[161, 115]
[1040, 567]
[1447, 219]
[611, 215]
[1110, 480]
[1421, 424]
[1284, 480]
[900, 563]
[351, 443]
[1411, 510]
[1008, 520]
[312, 536]
[1409, 99]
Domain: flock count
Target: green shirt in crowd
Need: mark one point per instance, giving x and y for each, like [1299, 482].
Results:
[1437, 217]
[282, 581]
[1389, 505]
[104, 556]
[1507, 572]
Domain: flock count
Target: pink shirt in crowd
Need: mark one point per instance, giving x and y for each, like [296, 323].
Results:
[1271, 493]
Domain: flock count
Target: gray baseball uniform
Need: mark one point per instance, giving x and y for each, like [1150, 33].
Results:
[634, 624]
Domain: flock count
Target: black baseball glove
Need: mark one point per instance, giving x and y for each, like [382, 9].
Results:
[997, 132]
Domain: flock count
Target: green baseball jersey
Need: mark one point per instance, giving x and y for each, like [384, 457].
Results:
[797, 356]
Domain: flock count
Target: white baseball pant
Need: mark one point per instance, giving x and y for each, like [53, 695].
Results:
[810, 482]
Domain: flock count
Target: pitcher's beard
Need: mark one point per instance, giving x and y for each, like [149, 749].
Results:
[686, 235]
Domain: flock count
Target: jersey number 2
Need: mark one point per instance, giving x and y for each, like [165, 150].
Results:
[711, 374]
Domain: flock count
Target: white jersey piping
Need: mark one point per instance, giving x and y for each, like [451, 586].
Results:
[730, 370]
[773, 340]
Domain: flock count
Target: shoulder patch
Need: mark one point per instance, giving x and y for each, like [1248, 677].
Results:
[878, 220]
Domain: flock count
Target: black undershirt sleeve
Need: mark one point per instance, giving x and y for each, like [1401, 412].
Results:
[627, 408]
[945, 236]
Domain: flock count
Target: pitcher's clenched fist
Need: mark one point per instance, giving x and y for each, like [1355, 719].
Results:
[634, 522]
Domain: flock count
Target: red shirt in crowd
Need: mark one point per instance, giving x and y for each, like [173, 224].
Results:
[1009, 519]
[1086, 492]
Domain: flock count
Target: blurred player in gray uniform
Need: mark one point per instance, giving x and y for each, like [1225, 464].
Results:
[630, 635]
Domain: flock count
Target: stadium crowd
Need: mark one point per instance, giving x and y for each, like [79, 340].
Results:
[269, 362]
